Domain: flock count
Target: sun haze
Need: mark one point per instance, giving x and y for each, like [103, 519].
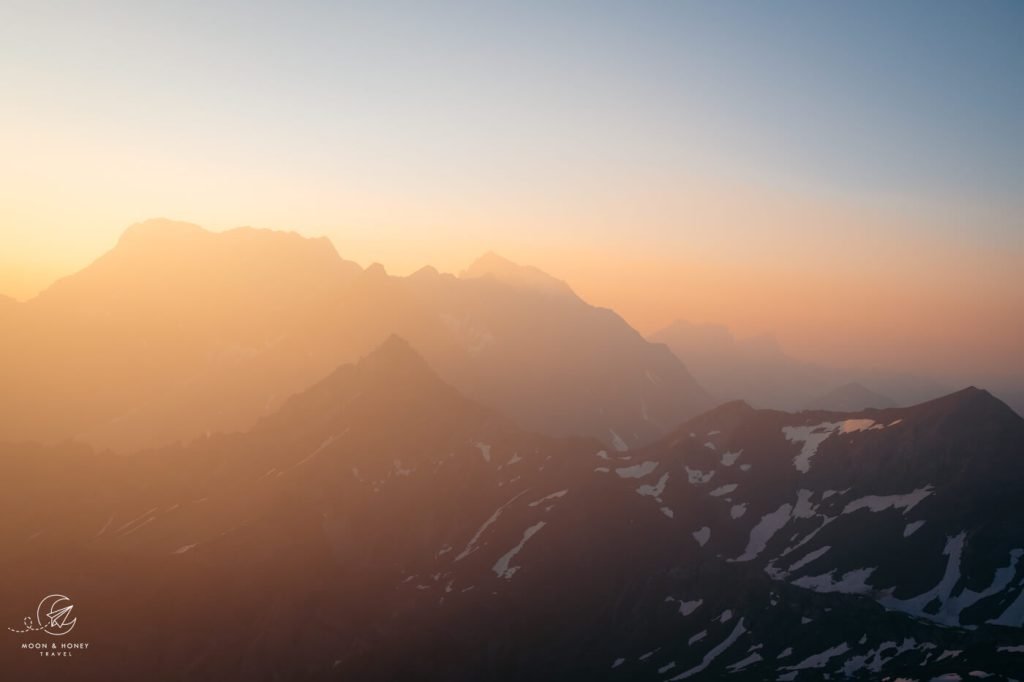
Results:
[669, 161]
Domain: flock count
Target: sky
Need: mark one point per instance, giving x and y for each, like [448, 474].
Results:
[847, 176]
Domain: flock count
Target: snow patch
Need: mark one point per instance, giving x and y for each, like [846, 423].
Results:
[768, 526]
[637, 470]
[552, 496]
[696, 476]
[655, 490]
[501, 567]
[472, 546]
[877, 503]
[851, 582]
[809, 558]
[710, 656]
[745, 663]
[911, 527]
[485, 451]
[820, 660]
[729, 458]
[702, 535]
[686, 607]
[811, 437]
[320, 448]
[949, 609]
[853, 425]
[723, 490]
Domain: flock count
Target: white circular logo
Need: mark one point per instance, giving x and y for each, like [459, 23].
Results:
[53, 616]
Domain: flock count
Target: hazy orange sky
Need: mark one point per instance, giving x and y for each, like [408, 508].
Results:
[854, 187]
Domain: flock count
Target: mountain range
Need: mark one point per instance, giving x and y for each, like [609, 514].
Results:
[381, 525]
[178, 332]
[245, 457]
[758, 370]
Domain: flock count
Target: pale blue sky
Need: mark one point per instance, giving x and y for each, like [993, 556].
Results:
[923, 98]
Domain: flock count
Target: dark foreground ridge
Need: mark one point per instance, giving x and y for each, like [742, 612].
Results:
[382, 526]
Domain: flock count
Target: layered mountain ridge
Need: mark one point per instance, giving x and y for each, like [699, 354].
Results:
[381, 525]
[178, 332]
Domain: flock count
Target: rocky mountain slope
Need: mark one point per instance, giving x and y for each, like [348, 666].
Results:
[380, 525]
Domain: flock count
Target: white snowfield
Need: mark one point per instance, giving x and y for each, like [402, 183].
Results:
[813, 436]
[952, 605]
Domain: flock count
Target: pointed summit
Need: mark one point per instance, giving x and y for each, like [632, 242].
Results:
[968, 403]
[394, 355]
[393, 370]
[523, 276]
[391, 386]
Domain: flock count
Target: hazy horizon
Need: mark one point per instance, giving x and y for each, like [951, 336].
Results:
[845, 178]
[634, 302]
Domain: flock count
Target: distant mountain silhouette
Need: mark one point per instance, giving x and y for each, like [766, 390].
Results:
[527, 277]
[849, 398]
[759, 371]
[380, 525]
[178, 332]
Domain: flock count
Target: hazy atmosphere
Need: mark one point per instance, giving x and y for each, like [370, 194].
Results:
[847, 179]
[501, 341]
